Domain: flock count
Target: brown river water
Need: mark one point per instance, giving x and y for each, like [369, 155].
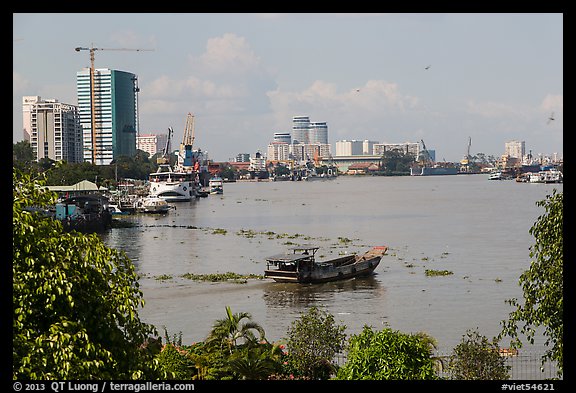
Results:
[474, 227]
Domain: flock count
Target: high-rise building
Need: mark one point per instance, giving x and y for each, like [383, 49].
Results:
[53, 129]
[282, 137]
[115, 114]
[349, 148]
[515, 149]
[278, 151]
[300, 125]
[318, 133]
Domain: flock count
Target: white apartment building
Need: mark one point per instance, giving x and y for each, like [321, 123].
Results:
[152, 143]
[278, 151]
[515, 149]
[302, 153]
[349, 148]
[53, 129]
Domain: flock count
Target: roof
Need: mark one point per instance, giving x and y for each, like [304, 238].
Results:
[83, 185]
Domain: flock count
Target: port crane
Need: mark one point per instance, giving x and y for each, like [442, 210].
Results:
[186, 156]
[425, 155]
[92, 100]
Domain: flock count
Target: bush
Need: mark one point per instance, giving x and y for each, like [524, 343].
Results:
[388, 355]
[477, 358]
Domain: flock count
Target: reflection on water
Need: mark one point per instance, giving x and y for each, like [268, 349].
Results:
[302, 296]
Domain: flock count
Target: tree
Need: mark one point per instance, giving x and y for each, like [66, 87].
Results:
[475, 358]
[75, 301]
[388, 355]
[227, 331]
[312, 342]
[542, 284]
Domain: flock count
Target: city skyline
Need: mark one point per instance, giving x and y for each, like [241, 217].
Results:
[393, 78]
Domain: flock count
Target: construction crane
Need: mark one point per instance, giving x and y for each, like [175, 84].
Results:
[92, 100]
[425, 156]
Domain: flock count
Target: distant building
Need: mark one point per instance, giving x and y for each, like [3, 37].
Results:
[243, 157]
[278, 151]
[515, 149]
[318, 133]
[152, 143]
[300, 126]
[116, 114]
[53, 129]
[283, 137]
[349, 148]
[368, 147]
[309, 152]
[406, 148]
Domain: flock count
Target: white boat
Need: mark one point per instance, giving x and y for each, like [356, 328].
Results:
[549, 176]
[173, 186]
[216, 185]
[152, 204]
[495, 175]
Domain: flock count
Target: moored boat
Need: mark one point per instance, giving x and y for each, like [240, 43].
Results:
[216, 185]
[300, 266]
[173, 186]
[152, 204]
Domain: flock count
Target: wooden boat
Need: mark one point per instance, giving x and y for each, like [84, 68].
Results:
[300, 266]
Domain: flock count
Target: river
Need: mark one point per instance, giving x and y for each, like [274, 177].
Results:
[476, 228]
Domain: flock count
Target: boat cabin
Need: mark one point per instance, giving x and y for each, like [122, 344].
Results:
[301, 259]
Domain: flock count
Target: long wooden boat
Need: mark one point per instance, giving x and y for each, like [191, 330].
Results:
[300, 266]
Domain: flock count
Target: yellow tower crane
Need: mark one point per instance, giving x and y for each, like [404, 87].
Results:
[92, 101]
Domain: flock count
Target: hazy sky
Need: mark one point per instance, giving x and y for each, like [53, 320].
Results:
[492, 77]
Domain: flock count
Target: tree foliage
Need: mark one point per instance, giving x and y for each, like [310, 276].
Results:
[476, 358]
[312, 342]
[542, 284]
[388, 355]
[75, 301]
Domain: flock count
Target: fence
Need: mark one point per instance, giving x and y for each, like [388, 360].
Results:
[524, 366]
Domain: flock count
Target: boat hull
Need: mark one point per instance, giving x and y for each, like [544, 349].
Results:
[326, 273]
[433, 171]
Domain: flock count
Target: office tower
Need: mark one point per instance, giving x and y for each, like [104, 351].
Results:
[282, 137]
[318, 133]
[53, 129]
[300, 126]
[115, 114]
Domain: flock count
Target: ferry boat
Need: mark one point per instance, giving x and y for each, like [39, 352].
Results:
[216, 185]
[301, 266]
[172, 186]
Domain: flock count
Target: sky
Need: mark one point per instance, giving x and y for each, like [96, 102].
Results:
[392, 78]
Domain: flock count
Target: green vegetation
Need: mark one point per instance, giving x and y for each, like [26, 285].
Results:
[542, 284]
[217, 277]
[476, 358]
[433, 273]
[388, 354]
[75, 301]
[312, 342]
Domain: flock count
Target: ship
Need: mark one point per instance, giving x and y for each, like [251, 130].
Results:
[183, 182]
[425, 166]
[432, 170]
